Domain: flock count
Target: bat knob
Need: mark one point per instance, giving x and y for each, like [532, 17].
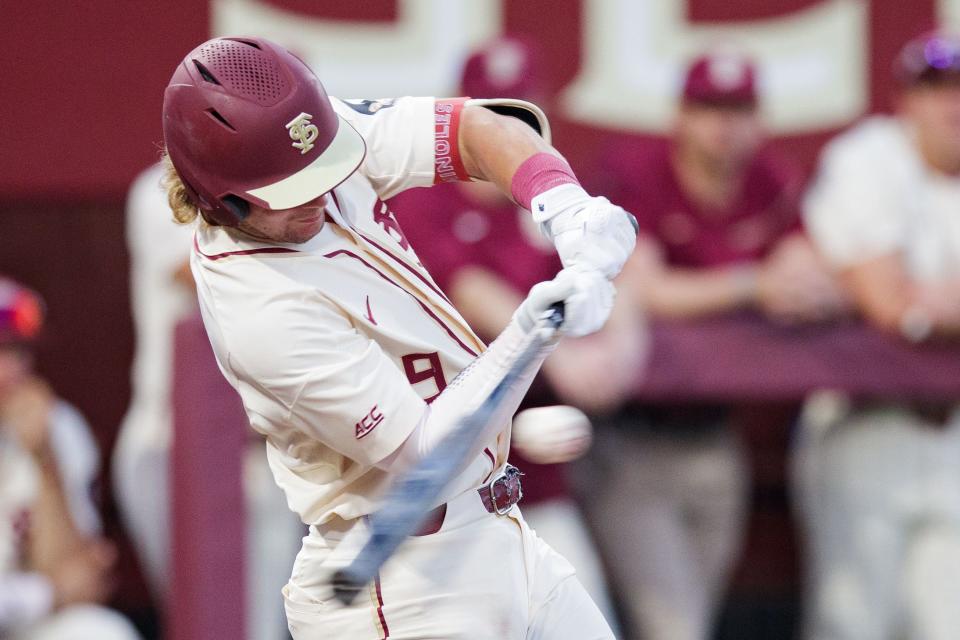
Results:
[346, 586]
[555, 314]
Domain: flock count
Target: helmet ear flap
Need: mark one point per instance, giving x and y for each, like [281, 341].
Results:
[239, 207]
[232, 210]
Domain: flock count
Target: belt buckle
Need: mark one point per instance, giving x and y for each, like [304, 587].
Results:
[508, 475]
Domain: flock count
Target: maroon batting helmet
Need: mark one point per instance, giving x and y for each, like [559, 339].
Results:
[245, 120]
[21, 313]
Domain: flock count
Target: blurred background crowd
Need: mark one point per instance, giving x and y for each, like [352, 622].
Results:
[776, 446]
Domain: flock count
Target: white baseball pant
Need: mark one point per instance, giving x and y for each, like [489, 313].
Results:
[879, 496]
[480, 576]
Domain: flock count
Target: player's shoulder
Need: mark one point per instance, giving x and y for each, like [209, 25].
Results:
[366, 113]
[362, 106]
[876, 140]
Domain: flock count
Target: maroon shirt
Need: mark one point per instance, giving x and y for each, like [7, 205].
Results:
[450, 231]
[765, 211]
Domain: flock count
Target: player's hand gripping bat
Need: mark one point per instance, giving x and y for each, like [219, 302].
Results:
[413, 495]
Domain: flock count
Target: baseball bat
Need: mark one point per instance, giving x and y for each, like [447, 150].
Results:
[413, 495]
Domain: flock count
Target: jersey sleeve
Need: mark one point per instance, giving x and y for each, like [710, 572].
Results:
[852, 212]
[411, 142]
[326, 380]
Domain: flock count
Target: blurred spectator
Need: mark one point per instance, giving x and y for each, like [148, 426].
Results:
[486, 253]
[720, 232]
[54, 566]
[163, 295]
[879, 481]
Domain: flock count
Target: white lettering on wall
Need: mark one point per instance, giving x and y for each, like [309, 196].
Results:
[420, 54]
[812, 63]
[948, 14]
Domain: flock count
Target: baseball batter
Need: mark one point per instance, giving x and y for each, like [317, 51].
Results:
[344, 350]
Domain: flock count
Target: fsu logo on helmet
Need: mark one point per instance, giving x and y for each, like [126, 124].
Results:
[303, 132]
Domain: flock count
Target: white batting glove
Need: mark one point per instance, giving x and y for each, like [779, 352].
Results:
[587, 296]
[588, 232]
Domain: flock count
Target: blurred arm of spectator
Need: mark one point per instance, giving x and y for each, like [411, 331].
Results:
[790, 285]
[614, 354]
[77, 564]
[891, 301]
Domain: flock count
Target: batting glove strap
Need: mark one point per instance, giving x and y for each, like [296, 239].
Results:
[588, 232]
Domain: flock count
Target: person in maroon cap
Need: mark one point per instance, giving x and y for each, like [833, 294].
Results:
[54, 566]
[879, 481]
[485, 253]
[720, 233]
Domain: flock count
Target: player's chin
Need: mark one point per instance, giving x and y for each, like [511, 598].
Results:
[302, 229]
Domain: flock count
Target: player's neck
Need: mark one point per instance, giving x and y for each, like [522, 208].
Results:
[939, 156]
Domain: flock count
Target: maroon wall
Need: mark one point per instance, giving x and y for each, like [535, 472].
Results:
[83, 81]
[82, 87]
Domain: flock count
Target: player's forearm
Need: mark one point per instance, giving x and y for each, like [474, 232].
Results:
[888, 300]
[494, 146]
[464, 396]
[616, 355]
[686, 294]
[53, 534]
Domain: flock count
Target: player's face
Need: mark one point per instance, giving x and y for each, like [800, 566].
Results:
[934, 110]
[295, 225]
[726, 135]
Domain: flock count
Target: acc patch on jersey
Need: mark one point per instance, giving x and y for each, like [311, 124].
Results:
[369, 422]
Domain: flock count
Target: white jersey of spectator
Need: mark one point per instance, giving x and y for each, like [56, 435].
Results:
[333, 398]
[879, 485]
[158, 248]
[875, 196]
[27, 599]
[78, 462]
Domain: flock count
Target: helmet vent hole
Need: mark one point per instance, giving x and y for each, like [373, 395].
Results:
[205, 73]
[249, 44]
[219, 118]
[243, 68]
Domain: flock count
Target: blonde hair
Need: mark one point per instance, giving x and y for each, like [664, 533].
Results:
[182, 204]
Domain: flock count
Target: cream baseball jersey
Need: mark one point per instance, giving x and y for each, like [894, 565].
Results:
[336, 344]
[875, 196]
